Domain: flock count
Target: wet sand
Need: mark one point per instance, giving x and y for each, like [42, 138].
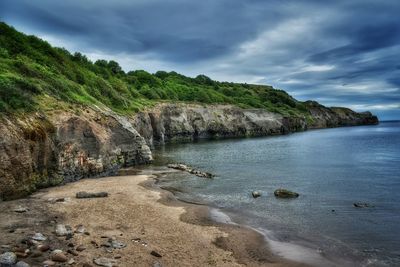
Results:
[138, 215]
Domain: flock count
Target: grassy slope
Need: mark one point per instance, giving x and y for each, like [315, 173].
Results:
[33, 74]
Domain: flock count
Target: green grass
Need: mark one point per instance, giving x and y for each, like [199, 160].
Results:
[31, 70]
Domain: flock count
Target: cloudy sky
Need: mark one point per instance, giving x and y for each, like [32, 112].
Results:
[340, 53]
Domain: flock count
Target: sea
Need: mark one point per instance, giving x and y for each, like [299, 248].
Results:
[331, 169]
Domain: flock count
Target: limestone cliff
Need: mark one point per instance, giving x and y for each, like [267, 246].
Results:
[44, 149]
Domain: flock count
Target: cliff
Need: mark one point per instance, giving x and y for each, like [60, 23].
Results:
[42, 150]
[45, 149]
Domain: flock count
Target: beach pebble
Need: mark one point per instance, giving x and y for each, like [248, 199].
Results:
[155, 254]
[58, 256]
[8, 259]
[72, 252]
[39, 237]
[71, 261]
[43, 248]
[80, 248]
[157, 264]
[21, 209]
[63, 230]
[22, 264]
[80, 229]
[48, 263]
[105, 262]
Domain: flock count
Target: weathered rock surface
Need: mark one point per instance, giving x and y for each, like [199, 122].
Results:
[324, 117]
[283, 193]
[40, 150]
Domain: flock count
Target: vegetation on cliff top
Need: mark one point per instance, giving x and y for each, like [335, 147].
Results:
[32, 70]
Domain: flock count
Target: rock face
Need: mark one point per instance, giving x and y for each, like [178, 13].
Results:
[324, 117]
[40, 150]
[187, 122]
[53, 147]
[184, 122]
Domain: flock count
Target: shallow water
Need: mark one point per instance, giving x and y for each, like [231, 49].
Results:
[330, 168]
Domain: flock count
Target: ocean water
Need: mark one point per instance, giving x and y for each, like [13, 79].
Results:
[331, 169]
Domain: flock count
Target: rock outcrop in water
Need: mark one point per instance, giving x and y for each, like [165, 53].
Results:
[54, 147]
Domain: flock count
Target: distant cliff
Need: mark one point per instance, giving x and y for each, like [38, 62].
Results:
[184, 122]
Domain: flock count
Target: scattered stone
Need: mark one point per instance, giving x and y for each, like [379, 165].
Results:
[72, 252]
[283, 193]
[183, 167]
[157, 264]
[256, 194]
[58, 256]
[63, 230]
[80, 248]
[5, 246]
[22, 264]
[36, 254]
[39, 237]
[71, 261]
[22, 254]
[71, 245]
[80, 229]
[87, 265]
[8, 259]
[94, 243]
[105, 262]
[48, 263]
[155, 254]
[362, 205]
[84, 194]
[118, 257]
[116, 244]
[21, 209]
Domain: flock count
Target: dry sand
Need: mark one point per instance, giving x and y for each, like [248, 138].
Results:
[181, 233]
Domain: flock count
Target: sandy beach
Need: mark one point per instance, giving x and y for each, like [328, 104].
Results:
[148, 226]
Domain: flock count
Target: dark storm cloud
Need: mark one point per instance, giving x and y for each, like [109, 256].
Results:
[337, 52]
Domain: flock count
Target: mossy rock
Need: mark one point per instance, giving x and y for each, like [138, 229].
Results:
[283, 193]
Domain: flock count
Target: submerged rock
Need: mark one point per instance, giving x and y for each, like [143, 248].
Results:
[284, 193]
[256, 194]
[362, 205]
[84, 194]
[183, 167]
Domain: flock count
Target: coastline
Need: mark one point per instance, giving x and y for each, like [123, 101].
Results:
[182, 233]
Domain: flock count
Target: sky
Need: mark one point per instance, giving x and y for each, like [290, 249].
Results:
[340, 53]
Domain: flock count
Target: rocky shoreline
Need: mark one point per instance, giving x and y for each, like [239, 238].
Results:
[55, 147]
[135, 225]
